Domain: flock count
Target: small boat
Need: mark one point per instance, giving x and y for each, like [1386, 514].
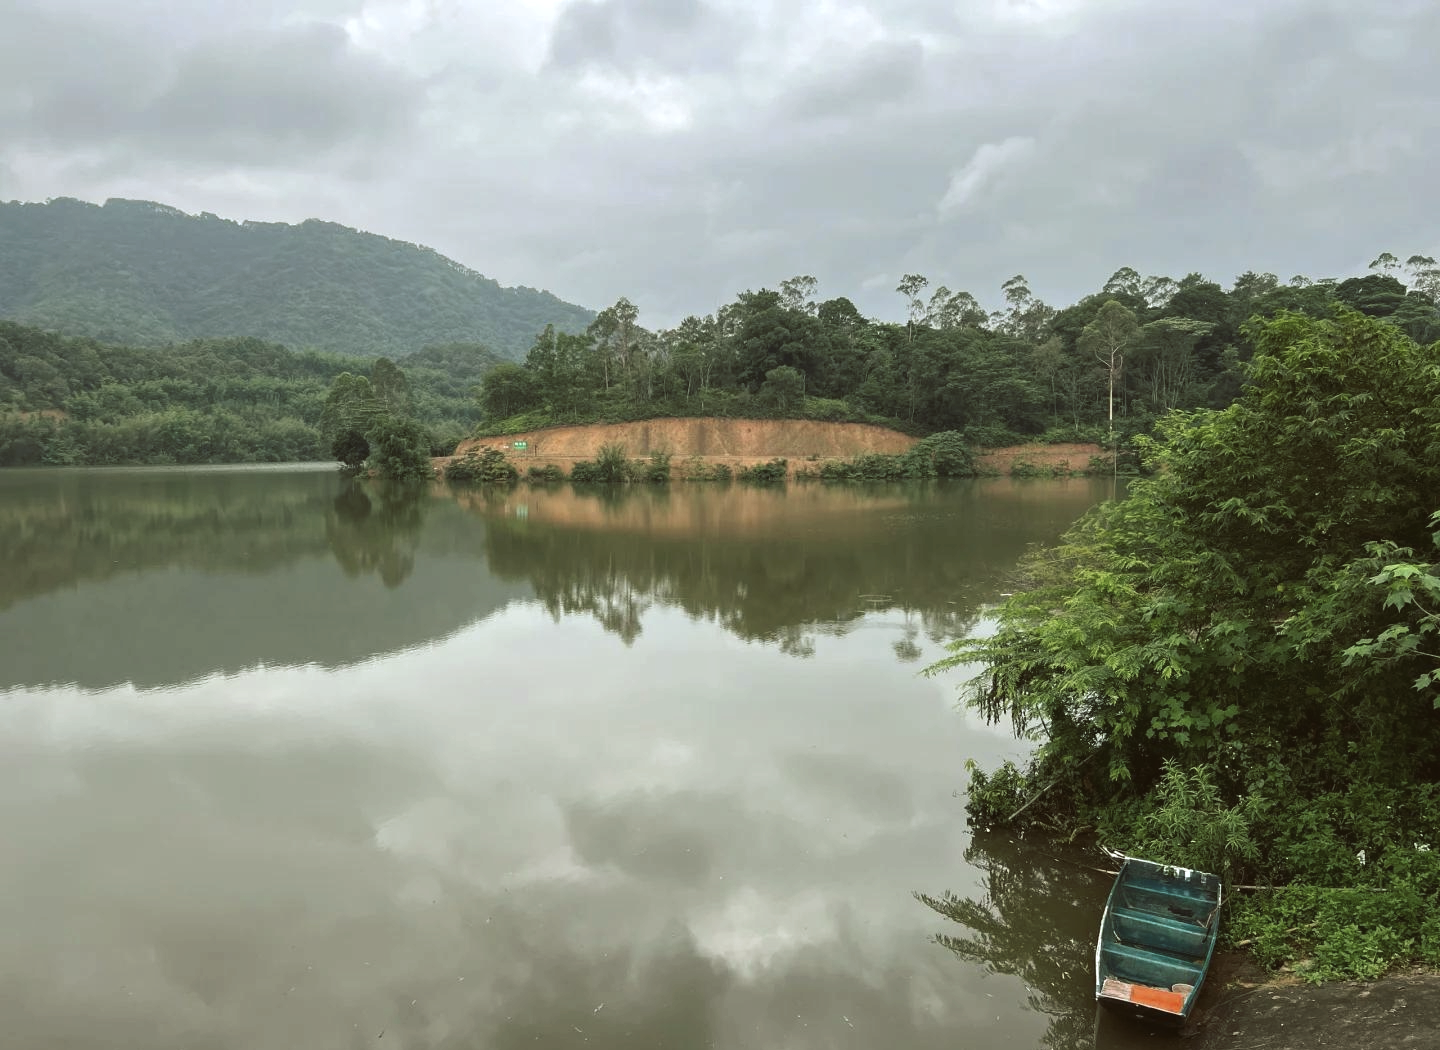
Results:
[1156, 940]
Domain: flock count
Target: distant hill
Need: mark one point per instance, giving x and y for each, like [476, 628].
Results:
[142, 273]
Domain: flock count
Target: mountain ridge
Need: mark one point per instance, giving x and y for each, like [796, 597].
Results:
[145, 272]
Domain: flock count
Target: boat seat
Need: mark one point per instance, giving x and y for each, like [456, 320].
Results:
[1150, 967]
[1167, 905]
[1149, 930]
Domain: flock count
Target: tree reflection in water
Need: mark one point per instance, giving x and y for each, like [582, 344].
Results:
[382, 539]
[1036, 918]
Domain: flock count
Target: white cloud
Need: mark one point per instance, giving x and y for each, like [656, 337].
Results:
[988, 161]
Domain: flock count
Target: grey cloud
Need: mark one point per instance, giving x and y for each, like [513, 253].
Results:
[881, 75]
[253, 97]
[629, 35]
[1300, 135]
[302, 89]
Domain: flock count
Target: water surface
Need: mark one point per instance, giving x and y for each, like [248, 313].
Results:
[290, 761]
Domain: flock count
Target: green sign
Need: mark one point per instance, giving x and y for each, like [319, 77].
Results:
[519, 444]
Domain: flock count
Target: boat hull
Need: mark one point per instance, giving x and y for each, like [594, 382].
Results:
[1157, 939]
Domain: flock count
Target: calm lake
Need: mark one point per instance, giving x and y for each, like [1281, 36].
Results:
[292, 761]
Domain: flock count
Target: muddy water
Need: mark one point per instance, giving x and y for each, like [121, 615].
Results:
[287, 761]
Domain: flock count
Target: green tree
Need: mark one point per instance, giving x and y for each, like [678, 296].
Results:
[351, 448]
[1114, 331]
[390, 387]
[508, 390]
[400, 450]
[1209, 617]
[783, 389]
[351, 405]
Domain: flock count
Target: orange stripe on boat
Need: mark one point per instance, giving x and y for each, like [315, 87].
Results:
[1158, 998]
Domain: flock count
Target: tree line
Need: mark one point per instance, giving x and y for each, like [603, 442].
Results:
[1107, 366]
[70, 401]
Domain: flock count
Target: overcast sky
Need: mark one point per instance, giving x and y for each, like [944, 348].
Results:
[680, 151]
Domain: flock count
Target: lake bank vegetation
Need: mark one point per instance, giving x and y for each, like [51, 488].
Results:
[1102, 370]
[1237, 667]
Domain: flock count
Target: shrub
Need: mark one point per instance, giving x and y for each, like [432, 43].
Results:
[696, 469]
[549, 474]
[586, 472]
[992, 437]
[483, 466]
[943, 455]
[766, 473]
[947, 455]
[609, 466]
[656, 471]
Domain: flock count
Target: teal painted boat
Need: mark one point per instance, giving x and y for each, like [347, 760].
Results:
[1157, 938]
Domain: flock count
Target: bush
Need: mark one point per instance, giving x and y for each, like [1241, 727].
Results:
[549, 474]
[484, 466]
[946, 454]
[766, 473]
[608, 467]
[943, 455]
[992, 437]
[656, 471]
[586, 472]
[696, 469]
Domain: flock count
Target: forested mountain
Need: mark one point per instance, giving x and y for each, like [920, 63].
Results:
[1113, 363]
[70, 400]
[143, 273]
[1107, 366]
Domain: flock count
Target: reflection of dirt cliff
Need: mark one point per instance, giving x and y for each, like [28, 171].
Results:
[738, 442]
[688, 511]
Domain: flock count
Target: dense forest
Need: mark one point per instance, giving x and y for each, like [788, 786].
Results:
[77, 401]
[143, 273]
[1236, 666]
[1134, 350]
[1106, 367]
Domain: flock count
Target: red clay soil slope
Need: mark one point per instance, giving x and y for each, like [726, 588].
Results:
[739, 442]
[743, 442]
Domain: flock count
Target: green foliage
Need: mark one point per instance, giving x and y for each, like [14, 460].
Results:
[1238, 645]
[213, 401]
[400, 450]
[608, 467]
[874, 466]
[776, 470]
[656, 471]
[1151, 632]
[585, 472]
[134, 271]
[1413, 591]
[783, 389]
[350, 448]
[1345, 933]
[549, 474]
[696, 469]
[943, 455]
[989, 436]
[611, 464]
[1191, 825]
[482, 466]
[992, 799]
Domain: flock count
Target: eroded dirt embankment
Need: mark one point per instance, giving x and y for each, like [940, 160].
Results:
[1247, 1011]
[743, 442]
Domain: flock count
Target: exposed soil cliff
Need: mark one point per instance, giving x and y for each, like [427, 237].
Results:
[742, 442]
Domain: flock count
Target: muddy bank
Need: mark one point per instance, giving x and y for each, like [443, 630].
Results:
[1243, 1009]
